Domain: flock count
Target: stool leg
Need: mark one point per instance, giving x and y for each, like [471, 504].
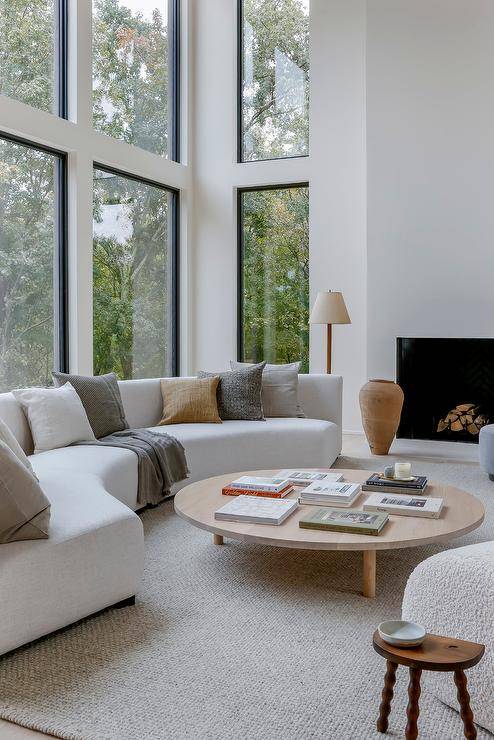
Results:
[386, 696]
[464, 701]
[413, 710]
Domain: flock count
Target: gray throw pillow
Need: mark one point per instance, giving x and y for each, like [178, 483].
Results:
[279, 389]
[100, 396]
[7, 437]
[239, 393]
[24, 508]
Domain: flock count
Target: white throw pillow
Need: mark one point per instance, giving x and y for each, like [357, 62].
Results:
[279, 389]
[7, 437]
[56, 416]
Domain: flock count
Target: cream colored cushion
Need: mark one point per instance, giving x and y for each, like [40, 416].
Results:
[190, 400]
[24, 508]
[8, 438]
[56, 416]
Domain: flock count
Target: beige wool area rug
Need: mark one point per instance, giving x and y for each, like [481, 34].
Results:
[240, 641]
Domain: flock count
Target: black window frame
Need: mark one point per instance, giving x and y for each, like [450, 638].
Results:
[174, 230]
[61, 57]
[61, 355]
[174, 75]
[240, 90]
[240, 252]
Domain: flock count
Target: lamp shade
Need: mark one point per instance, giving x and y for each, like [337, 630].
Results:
[329, 308]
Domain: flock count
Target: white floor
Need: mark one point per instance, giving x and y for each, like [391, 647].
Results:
[354, 445]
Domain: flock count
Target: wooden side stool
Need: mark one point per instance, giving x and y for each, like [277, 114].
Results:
[435, 654]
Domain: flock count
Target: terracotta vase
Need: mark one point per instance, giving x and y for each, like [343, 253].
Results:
[381, 402]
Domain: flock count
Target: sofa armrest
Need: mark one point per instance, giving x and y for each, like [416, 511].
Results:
[321, 397]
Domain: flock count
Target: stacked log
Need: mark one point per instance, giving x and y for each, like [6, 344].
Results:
[466, 417]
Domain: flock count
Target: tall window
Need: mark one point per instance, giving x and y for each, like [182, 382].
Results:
[33, 53]
[274, 275]
[273, 79]
[134, 277]
[135, 72]
[32, 250]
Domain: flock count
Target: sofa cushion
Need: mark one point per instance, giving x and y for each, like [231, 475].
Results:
[100, 396]
[114, 467]
[236, 446]
[56, 416]
[239, 393]
[190, 400]
[93, 559]
[7, 437]
[24, 508]
[279, 388]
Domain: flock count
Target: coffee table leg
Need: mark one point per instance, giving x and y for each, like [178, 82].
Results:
[386, 696]
[217, 539]
[464, 700]
[411, 731]
[369, 574]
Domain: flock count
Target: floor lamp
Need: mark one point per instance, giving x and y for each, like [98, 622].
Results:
[329, 309]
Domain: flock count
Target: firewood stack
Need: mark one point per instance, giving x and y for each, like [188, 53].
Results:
[466, 417]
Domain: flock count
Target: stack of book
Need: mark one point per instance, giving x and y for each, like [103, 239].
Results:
[396, 503]
[353, 521]
[330, 494]
[377, 483]
[265, 487]
[256, 510]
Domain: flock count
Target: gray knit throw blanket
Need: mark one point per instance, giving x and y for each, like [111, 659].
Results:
[160, 458]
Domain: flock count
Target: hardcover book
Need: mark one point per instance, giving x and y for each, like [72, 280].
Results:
[260, 483]
[232, 491]
[377, 483]
[395, 503]
[352, 520]
[254, 510]
[338, 490]
[304, 477]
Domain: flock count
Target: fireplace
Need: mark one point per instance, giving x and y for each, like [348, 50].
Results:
[448, 386]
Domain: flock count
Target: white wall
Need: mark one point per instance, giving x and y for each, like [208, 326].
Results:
[401, 171]
[335, 170]
[337, 187]
[430, 148]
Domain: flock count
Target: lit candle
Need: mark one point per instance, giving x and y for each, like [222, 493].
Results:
[403, 470]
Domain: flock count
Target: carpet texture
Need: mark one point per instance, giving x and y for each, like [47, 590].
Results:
[239, 641]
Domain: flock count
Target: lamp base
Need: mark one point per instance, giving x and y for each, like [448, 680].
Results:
[328, 349]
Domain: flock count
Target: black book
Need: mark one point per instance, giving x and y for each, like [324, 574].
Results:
[376, 481]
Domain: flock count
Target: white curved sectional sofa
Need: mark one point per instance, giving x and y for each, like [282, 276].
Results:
[453, 594]
[94, 555]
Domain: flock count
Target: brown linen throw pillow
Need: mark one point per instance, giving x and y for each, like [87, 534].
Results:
[24, 508]
[190, 400]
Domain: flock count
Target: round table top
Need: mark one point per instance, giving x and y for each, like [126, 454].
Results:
[436, 653]
[462, 513]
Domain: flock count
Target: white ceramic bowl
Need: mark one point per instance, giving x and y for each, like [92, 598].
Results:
[402, 634]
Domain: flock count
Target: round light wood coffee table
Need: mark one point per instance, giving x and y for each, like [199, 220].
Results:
[462, 513]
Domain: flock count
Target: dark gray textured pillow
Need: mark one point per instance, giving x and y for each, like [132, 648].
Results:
[100, 396]
[239, 393]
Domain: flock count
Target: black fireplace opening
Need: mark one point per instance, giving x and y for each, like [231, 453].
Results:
[448, 386]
